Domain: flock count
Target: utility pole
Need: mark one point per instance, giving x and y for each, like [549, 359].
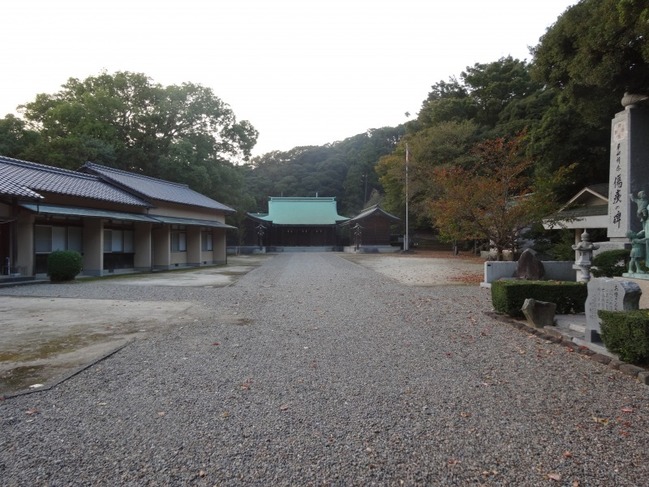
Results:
[406, 240]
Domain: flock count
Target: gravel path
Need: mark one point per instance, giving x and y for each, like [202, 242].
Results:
[317, 371]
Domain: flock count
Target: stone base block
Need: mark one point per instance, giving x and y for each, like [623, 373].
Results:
[539, 313]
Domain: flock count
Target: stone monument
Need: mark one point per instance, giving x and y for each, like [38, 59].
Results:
[529, 266]
[609, 294]
[629, 168]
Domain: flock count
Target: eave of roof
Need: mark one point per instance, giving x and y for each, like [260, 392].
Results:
[583, 211]
[61, 210]
[172, 220]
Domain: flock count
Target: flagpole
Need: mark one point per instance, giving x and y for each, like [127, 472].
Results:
[406, 240]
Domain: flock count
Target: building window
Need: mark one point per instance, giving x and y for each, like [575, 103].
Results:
[42, 239]
[206, 241]
[178, 239]
[48, 238]
[118, 241]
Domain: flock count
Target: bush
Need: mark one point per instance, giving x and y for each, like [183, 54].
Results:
[508, 296]
[611, 263]
[64, 265]
[626, 333]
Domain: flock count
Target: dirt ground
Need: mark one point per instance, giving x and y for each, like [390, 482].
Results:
[425, 268]
[44, 340]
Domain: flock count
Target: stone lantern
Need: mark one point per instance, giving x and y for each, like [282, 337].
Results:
[584, 258]
[260, 235]
[358, 230]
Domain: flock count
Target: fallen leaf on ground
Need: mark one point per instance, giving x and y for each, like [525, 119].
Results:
[32, 411]
[554, 476]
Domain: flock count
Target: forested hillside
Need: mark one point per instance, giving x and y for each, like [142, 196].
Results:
[344, 169]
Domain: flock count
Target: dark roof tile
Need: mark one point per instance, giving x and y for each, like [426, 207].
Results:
[39, 178]
[154, 189]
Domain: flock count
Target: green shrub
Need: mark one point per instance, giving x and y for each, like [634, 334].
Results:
[626, 333]
[610, 263]
[508, 296]
[64, 265]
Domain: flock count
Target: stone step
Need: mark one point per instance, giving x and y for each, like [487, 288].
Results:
[577, 327]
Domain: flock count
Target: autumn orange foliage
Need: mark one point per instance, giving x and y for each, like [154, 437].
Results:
[495, 199]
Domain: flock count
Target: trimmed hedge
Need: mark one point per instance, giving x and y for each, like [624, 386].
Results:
[64, 265]
[626, 333]
[611, 263]
[508, 296]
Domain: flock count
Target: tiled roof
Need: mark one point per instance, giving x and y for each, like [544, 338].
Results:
[303, 211]
[374, 210]
[11, 188]
[33, 178]
[583, 211]
[154, 189]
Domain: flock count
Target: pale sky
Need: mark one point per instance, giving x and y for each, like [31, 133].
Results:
[303, 72]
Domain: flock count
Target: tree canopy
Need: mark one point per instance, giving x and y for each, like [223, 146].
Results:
[182, 133]
[595, 52]
[494, 199]
[563, 101]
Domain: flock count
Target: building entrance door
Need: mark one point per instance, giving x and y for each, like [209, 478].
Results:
[5, 248]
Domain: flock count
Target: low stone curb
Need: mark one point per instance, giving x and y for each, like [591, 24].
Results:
[641, 374]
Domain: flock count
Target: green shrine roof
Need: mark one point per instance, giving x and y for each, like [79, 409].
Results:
[302, 211]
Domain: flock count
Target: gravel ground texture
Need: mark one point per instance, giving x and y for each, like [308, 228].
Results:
[314, 370]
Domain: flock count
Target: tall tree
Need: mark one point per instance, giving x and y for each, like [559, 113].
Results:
[487, 100]
[440, 144]
[182, 132]
[127, 121]
[595, 52]
[482, 95]
[495, 199]
[492, 87]
[15, 138]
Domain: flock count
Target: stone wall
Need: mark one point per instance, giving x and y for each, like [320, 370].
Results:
[554, 271]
